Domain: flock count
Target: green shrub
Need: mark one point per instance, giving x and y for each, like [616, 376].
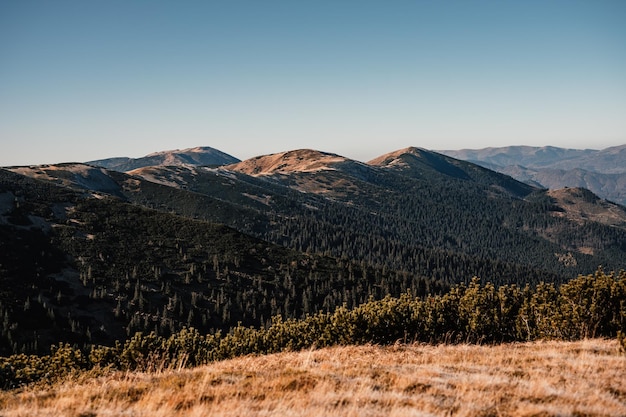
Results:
[587, 306]
[21, 369]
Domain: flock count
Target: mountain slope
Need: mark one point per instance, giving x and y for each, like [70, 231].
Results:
[420, 163]
[192, 156]
[609, 186]
[452, 221]
[424, 202]
[603, 171]
[89, 254]
[362, 204]
[301, 160]
[73, 175]
[311, 171]
[82, 267]
[580, 205]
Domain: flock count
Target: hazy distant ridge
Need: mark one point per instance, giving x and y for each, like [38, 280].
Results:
[607, 161]
[601, 171]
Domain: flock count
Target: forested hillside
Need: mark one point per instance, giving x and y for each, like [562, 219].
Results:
[402, 214]
[589, 306]
[391, 214]
[90, 255]
[91, 268]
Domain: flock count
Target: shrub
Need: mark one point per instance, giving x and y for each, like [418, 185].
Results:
[587, 306]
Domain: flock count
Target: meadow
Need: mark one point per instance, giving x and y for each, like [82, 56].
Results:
[542, 378]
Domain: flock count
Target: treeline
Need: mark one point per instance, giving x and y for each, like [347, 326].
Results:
[588, 306]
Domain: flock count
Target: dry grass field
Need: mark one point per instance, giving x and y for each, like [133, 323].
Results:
[584, 378]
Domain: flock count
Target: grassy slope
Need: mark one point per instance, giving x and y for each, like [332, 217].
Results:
[530, 379]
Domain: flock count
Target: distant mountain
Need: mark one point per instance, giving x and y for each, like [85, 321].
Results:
[420, 163]
[609, 186]
[601, 171]
[607, 161]
[192, 156]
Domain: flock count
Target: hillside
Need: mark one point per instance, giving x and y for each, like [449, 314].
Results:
[81, 268]
[580, 205]
[609, 186]
[601, 171]
[382, 209]
[93, 255]
[403, 211]
[420, 163]
[539, 379]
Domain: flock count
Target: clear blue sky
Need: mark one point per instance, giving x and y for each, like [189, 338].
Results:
[82, 80]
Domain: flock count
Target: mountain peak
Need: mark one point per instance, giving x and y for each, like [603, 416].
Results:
[299, 160]
[419, 162]
[197, 149]
[200, 155]
[398, 157]
[424, 164]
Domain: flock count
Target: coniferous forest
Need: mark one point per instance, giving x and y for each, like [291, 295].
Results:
[108, 269]
[587, 306]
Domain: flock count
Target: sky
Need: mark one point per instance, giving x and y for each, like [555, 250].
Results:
[85, 80]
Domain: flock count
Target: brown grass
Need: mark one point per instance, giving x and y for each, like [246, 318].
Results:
[585, 378]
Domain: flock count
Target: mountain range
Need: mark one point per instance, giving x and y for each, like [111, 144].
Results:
[93, 254]
[601, 171]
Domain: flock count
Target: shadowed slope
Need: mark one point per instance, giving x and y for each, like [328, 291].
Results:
[423, 164]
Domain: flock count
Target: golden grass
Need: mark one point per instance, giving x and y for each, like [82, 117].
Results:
[584, 378]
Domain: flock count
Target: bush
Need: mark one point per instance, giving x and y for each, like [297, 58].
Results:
[21, 369]
[587, 306]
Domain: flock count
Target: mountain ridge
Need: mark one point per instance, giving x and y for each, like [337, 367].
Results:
[91, 254]
[601, 171]
[418, 163]
[606, 161]
[199, 155]
[323, 175]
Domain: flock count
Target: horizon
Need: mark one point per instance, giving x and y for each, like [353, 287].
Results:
[295, 149]
[84, 81]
